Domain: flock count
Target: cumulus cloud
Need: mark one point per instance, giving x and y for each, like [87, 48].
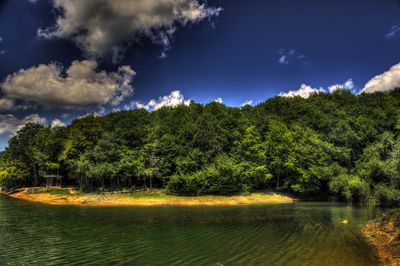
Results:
[386, 81]
[248, 102]
[65, 115]
[78, 86]
[304, 91]
[2, 51]
[9, 124]
[289, 56]
[218, 100]
[57, 123]
[394, 32]
[108, 26]
[348, 85]
[6, 104]
[96, 113]
[175, 98]
[11, 105]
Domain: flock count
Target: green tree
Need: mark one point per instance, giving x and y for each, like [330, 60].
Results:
[11, 176]
[279, 145]
[23, 148]
[250, 153]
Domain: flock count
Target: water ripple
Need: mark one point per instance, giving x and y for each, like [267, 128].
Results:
[299, 234]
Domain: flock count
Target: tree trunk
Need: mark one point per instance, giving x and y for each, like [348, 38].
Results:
[277, 183]
[35, 177]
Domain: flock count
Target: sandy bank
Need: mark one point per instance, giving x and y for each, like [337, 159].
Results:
[71, 197]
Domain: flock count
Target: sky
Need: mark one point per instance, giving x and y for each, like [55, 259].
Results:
[63, 59]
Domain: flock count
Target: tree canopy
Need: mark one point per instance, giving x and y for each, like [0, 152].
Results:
[337, 145]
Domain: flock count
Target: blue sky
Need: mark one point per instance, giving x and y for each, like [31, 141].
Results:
[238, 51]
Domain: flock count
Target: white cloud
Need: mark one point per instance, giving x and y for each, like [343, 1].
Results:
[394, 32]
[65, 115]
[108, 26]
[57, 123]
[348, 85]
[2, 51]
[9, 124]
[289, 56]
[248, 102]
[78, 86]
[6, 104]
[96, 113]
[11, 105]
[218, 100]
[304, 91]
[175, 98]
[386, 81]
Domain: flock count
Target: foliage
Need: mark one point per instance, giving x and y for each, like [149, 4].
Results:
[350, 187]
[223, 177]
[10, 176]
[387, 196]
[57, 191]
[329, 145]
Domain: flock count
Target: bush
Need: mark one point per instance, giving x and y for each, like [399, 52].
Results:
[349, 187]
[54, 191]
[223, 177]
[10, 177]
[193, 184]
[392, 216]
[387, 196]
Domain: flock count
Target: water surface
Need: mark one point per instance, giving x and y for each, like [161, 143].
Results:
[294, 234]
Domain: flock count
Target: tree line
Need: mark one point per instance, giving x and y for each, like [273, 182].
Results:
[339, 145]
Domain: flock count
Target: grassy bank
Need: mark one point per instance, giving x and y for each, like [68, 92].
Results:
[384, 235]
[70, 196]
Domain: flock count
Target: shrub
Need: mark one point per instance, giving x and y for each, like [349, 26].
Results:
[223, 177]
[191, 184]
[387, 196]
[10, 177]
[349, 187]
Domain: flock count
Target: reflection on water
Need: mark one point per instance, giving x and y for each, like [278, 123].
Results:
[298, 234]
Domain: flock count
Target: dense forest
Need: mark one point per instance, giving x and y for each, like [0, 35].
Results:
[339, 145]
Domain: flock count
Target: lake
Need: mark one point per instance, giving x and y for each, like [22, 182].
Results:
[309, 233]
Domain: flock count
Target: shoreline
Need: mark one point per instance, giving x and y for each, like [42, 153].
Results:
[144, 199]
[380, 234]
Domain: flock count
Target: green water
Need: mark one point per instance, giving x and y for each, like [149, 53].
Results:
[296, 234]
